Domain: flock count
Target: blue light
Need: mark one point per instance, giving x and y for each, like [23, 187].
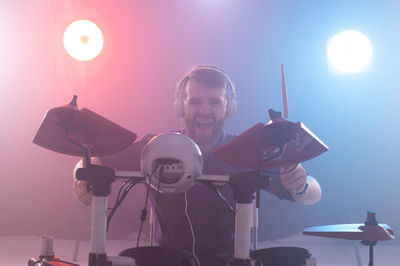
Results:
[349, 52]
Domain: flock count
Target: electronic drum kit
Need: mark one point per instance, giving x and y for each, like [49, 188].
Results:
[81, 132]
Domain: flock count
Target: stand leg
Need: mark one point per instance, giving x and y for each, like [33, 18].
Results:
[97, 255]
[76, 250]
[242, 231]
[371, 256]
[100, 179]
[98, 229]
[254, 225]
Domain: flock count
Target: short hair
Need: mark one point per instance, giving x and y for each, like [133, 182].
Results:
[207, 75]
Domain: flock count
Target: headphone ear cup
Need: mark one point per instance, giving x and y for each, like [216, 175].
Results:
[231, 108]
[178, 104]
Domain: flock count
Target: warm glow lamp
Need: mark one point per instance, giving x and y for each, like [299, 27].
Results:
[83, 40]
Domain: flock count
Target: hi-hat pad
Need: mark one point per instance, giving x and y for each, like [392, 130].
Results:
[84, 127]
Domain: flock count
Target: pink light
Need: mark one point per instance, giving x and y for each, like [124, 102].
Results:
[83, 40]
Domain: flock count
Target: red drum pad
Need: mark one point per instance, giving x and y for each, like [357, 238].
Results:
[262, 141]
[83, 126]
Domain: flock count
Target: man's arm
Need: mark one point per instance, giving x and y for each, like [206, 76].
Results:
[304, 189]
[79, 187]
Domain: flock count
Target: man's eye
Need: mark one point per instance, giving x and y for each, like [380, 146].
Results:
[216, 102]
[194, 102]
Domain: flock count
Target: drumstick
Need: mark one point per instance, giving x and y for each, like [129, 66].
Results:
[284, 95]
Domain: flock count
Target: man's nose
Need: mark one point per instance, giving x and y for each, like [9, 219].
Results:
[204, 108]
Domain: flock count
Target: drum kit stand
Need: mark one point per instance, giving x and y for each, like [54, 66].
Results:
[280, 142]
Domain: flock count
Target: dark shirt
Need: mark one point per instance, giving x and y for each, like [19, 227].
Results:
[213, 223]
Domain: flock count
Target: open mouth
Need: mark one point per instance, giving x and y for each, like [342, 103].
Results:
[204, 124]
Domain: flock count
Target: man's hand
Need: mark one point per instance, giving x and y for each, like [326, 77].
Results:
[294, 179]
[79, 187]
[304, 189]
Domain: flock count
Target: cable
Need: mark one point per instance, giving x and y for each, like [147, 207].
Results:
[116, 205]
[86, 150]
[213, 187]
[159, 184]
[191, 229]
[118, 196]
[126, 187]
[155, 204]
[143, 214]
[121, 188]
[210, 185]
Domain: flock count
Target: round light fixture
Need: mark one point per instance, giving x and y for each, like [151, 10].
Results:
[349, 52]
[83, 40]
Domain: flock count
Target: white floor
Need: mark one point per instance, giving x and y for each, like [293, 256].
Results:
[16, 250]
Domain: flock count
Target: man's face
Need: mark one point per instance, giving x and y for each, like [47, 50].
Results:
[204, 112]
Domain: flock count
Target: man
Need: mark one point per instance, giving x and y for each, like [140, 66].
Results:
[205, 98]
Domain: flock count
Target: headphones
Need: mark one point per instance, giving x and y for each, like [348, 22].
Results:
[232, 103]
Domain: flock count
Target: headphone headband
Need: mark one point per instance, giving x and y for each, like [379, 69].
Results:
[182, 82]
